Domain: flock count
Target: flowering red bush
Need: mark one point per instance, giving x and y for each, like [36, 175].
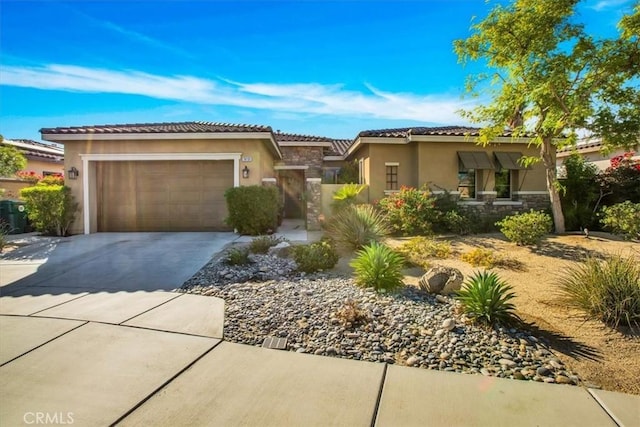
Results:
[621, 180]
[30, 176]
[410, 211]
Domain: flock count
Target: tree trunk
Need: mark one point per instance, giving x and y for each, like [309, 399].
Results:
[552, 184]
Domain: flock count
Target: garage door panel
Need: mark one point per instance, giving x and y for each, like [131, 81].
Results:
[163, 195]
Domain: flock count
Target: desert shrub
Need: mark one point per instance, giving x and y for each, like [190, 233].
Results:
[379, 267]
[580, 193]
[50, 208]
[356, 226]
[622, 219]
[419, 249]
[346, 195]
[237, 256]
[349, 173]
[526, 228]
[456, 222]
[261, 244]
[410, 211]
[485, 298]
[253, 210]
[351, 314]
[316, 256]
[608, 289]
[481, 257]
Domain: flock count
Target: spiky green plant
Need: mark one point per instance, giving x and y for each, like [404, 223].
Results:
[346, 195]
[608, 289]
[485, 297]
[356, 226]
[261, 244]
[237, 256]
[379, 267]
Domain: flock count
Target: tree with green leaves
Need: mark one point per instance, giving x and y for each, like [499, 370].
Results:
[548, 79]
[11, 159]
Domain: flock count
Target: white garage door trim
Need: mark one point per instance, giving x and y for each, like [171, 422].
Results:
[86, 158]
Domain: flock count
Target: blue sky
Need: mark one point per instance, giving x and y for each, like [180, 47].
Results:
[328, 68]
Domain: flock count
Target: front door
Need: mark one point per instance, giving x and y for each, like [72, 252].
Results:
[293, 187]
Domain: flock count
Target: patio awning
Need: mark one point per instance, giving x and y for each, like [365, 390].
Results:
[475, 160]
[509, 160]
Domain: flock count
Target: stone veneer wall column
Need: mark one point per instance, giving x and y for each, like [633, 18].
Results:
[314, 203]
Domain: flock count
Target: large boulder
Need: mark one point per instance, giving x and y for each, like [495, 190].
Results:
[281, 250]
[441, 280]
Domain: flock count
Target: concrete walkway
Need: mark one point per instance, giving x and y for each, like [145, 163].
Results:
[148, 357]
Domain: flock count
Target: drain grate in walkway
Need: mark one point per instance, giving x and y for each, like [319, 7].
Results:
[275, 343]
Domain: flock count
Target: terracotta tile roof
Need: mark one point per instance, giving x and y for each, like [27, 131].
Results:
[32, 148]
[583, 145]
[175, 127]
[419, 130]
[339, 147]
[290, 137]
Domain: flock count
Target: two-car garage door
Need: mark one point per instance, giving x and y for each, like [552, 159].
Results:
[163, 195]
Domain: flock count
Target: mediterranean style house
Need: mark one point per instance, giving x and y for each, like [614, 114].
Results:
[172, 176]
[591, 151]
[42, 160]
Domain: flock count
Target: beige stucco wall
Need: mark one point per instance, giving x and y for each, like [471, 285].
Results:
[260, 166]
[435, 163]
[41, 166]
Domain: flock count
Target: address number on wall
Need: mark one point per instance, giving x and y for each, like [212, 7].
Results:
[247, 158]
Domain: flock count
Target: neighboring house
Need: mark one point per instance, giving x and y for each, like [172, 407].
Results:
[444, 159]
[591, 151]
[172, 176]
[42, 159]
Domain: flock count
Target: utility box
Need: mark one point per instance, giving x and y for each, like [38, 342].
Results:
[13, 216]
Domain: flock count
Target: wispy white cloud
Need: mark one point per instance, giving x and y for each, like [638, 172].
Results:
[144, 39]
[608, 4]
[293, 98]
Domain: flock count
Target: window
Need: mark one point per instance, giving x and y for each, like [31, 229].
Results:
[466, 182]
[503, 183]
[392, 177]
[361, 171]
[330, 176]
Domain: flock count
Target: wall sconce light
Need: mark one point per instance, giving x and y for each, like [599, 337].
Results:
[245, 172]
[73, 173]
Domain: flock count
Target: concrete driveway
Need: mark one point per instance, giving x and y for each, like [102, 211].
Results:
[108, 262]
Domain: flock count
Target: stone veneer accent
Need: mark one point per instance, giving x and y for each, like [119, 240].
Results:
[304, 156]
[314, 203]
[486, 202]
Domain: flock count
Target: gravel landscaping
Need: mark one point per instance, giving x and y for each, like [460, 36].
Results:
[327, 314]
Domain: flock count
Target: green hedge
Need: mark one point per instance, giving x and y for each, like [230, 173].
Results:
[253, 210]
[51, 208]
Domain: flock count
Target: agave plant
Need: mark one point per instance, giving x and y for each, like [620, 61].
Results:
[379, 267]
[356, 226]
[485, 298]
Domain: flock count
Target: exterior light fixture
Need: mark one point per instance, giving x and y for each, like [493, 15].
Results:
[73, 173]
[245, 172]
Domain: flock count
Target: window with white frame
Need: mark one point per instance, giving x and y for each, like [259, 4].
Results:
[391, 172]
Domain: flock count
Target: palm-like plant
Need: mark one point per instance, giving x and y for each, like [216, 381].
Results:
[346, 195]
[379, 267]
[356, 226]
[485, 298]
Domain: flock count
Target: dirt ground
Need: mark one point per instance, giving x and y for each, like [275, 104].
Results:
[602, 356]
